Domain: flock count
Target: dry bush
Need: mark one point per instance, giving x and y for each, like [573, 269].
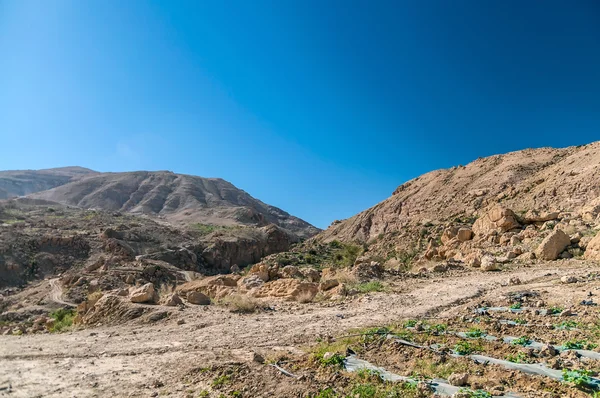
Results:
[240, 303]
[305, 297]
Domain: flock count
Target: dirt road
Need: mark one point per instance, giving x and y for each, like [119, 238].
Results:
[133, 359]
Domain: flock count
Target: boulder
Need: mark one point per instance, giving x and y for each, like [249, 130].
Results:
[288, 288]
[172, 300]
[534, 216]
[328, 284]
[311, 274]
[368, 270]
[488, 263]
[198, 298]
[261, 270]
[143, 294]
[592, 251]
[498, 219]
[553, 245]
[448, 234]
[568, 279]
[464, 234]
[458, 379]
[290, 271]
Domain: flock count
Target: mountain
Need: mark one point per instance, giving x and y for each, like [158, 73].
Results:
[181, 199]
[24, 182]
[534, 184]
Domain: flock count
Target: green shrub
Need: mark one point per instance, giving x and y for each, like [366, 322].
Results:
[63, 319]
[466, 348]
[523, 340]
[475, 333]
[579, 378]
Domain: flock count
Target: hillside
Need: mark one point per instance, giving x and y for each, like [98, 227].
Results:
[530, 182]
[181, 199]
[17, 183]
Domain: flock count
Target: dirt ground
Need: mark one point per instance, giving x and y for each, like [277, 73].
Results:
[141, 359]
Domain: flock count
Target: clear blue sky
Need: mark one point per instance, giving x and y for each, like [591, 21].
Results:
[319, 107]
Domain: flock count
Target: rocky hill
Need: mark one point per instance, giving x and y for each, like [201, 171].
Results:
[24, 182]
[527, 187]
[180, 199]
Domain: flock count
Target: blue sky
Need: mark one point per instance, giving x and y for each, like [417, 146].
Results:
[320, 107]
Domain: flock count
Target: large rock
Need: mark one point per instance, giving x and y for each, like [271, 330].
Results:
[198, 298]
[497, 219]
[534, 216]
[143, 294]
[172, 300]
[592, 251]
[553, 245]
[464, 234]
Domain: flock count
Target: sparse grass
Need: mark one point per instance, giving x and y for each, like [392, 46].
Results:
[221, 381]
[520, 357]
[520, 321]
[240, 304]
[346, 255]
[430, 369]
[368, 287]
[411, 323]
[63, 319]
[326, 393]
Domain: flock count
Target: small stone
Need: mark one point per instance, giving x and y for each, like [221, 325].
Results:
[568, 279]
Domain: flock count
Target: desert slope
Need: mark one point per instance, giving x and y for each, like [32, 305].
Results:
[182, 199]
[545, 179]
[16, 183]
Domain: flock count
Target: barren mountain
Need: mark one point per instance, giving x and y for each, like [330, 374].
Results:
[531, 183]
[24, 182]
[181, 199]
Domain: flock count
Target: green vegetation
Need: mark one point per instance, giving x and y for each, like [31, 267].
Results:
[520, 357]
[475, 393]
[63, 319]
[579, 345]
[206, 229]
[411, 323]
[384, 390]
[438, 329]
[579, 378]
[221, 380]
[523, 340]
[346, 254]
[336, 360]
[515, 306]
[326, 393]
[475, 333]
[466, 348]
[555, 310]
[368, 287]
[520, 321]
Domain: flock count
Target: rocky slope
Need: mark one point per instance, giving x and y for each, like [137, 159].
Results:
[24, 182]
[41, 241]
[532, 185]
[181, 199]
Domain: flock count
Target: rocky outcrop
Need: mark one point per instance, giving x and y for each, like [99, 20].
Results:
[592, 251]
[553, 245]
[247, 246]
[498, 219]
[143, 294]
